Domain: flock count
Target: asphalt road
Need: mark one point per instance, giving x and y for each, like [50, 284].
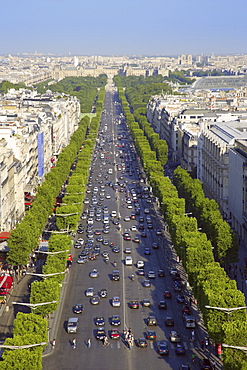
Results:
[117, 355]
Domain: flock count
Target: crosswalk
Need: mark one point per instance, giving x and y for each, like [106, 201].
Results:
[118, 344]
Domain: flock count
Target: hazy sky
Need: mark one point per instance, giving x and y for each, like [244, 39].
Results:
[106, 27]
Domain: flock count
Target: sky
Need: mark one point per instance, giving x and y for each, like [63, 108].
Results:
[127, 27]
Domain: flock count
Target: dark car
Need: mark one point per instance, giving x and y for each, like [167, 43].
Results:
[178, 286]
[205, 364]
[186, 309]
[163, 348]
[134, 304]
[115, 275]
[180, 350]
[142, 343]
[169, 321]
[155, 246]
[180, 298]
[99, 321]
[115, 320]
[147, 251]
[78, 308]
[161, 273]
[162, 305]
[100, 334]
[151, 335]
[151, 321]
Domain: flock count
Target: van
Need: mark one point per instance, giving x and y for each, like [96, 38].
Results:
[72, 325]
[189, 321]
[128, 261]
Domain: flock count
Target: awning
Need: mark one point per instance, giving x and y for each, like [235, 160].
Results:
[4, 246]
[4, 235]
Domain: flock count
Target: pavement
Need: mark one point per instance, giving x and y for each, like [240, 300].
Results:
[20, 293]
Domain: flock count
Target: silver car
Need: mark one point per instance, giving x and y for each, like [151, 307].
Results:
[89, 292]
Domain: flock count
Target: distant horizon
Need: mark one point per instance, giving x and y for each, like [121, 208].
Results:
[132, 27]
[36, 53]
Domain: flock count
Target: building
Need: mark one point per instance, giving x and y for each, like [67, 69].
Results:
[33, 131]
[217, 140]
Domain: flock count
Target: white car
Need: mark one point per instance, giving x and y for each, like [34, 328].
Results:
[127, 218]
[89, 292]
[133, 228]
[82, 259]
[140, 264]
[116, 302]
[94, 273]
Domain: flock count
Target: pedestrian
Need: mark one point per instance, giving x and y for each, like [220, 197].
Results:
[202, 345]
[206, 343]
[125, 334]
[89, 343]
[190, 301]
[214, 365]
[53, 343]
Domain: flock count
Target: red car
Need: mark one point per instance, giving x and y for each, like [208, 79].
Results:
[127, 236]
[114, 334]
[134, 304]
[186, 309]
[167, 294]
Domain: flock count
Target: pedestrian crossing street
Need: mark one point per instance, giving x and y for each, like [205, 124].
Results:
[118, 344]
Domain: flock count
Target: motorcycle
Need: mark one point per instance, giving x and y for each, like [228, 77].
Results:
[114, 263]
[74, 344]
[132, 277]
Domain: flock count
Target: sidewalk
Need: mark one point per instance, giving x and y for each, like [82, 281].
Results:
[237, 270]
[8, 311]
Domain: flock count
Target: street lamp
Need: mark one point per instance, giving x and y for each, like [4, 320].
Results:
[34, 306]
[24, 346]
[67, 250]
[235, 347]
[45, 275]
[226, 310]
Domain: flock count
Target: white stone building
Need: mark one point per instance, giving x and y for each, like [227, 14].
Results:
[34, 129]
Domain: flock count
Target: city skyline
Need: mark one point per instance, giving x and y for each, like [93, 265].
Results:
[135, 27]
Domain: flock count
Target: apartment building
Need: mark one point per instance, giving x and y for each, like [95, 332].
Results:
[216, 142]
[238, 188]
[34, 129]
[12, 188]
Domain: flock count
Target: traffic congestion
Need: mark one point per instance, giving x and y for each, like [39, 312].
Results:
[127, 304]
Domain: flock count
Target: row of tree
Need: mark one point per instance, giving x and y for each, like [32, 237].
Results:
[71, 171]
[210, 283]
[207, 213]
[29, 329]
[138, 90]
